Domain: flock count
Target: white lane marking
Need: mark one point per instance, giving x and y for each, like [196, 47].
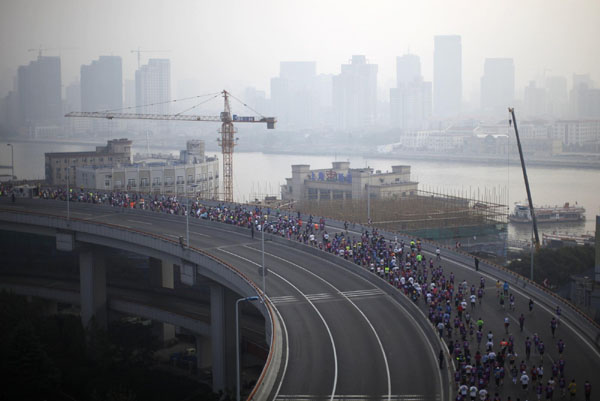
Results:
[404, 310]
[387, 367]
[200, 234]
[335, 376]
[281, 300]
[102, 216]
[363, 293]
[140, 222]
[287, 350]
[324, 296]
[352, 397]
[518, 291]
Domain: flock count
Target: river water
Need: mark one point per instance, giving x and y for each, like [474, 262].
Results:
[259, 174]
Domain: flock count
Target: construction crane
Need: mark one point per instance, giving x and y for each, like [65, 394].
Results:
[227, 141]
[138, 51]
[42, 49]
[533, 219]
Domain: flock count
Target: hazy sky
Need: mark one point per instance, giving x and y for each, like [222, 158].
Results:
[230, 44]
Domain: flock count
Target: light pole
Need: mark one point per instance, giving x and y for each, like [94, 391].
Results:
[237, 340]
[68, 192]
[368, 204]
[187, 218]
[532, 245]
[264, 272]
[12, 161]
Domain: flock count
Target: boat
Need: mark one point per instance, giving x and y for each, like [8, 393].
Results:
[547, 214]
[556, 240]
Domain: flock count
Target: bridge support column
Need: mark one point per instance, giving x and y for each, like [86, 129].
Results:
[203, 352]
[162, 276]
[161, 273]
[49, 307]
[92, 283]
[222, 326]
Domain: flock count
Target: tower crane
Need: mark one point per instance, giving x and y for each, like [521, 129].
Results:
[226, 142]
[138, 51]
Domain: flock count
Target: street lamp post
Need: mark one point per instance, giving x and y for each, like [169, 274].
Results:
[237, 340]
[68, 192]
[12, 161]
[187, 218]
[264, 273]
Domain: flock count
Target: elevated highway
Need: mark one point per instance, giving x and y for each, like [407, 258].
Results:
[344, 334]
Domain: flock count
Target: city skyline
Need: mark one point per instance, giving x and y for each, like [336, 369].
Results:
[311, 31]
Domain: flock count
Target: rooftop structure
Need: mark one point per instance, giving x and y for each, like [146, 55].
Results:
[60, 166]
[192, 174]
[340, 182]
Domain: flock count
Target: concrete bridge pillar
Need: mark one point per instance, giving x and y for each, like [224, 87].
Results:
[222, 326]
[162, 276]
[161, 273]
[203, 352]
[92, 283]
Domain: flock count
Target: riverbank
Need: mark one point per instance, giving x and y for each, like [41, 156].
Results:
[571, 160]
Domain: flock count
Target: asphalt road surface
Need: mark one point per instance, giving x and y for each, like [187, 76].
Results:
[347, 339]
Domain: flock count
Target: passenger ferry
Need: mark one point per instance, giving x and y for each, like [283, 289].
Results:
[547, 214]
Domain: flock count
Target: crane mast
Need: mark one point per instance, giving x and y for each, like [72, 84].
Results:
[227, 144]
[227, 141]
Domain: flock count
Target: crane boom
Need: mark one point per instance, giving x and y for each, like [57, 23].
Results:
[227, 141]
[137, 116]
[533, 219]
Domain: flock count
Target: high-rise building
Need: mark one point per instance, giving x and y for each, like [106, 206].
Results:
[497, 84]
[102, 84]
[153, 87]
[447, 75]
[408, 69]
[355, 94]
[410, 101]
[534, 100]
[557, 99]
[39, 92]
[584, 99]
[293, 94]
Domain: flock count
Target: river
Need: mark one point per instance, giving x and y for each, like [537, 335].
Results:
[259, 174]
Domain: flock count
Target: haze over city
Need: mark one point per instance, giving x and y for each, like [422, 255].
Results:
[294, 200]
[234, 44]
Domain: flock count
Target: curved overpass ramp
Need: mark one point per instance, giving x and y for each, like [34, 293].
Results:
[345, 333]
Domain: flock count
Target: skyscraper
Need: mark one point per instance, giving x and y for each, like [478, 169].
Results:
[355, 94]
[497, 84]
[293, 94]
[153, 85]
[557, 99]
[102, 84]
[447, 75]
[408, 69]
[410, 101]
[534, 100]
[584, 99]
[39, 92]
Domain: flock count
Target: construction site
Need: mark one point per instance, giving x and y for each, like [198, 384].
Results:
[448, 219]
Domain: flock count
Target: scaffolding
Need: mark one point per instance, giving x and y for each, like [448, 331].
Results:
[428, 214]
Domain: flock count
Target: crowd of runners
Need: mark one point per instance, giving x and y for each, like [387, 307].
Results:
[487, 363]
